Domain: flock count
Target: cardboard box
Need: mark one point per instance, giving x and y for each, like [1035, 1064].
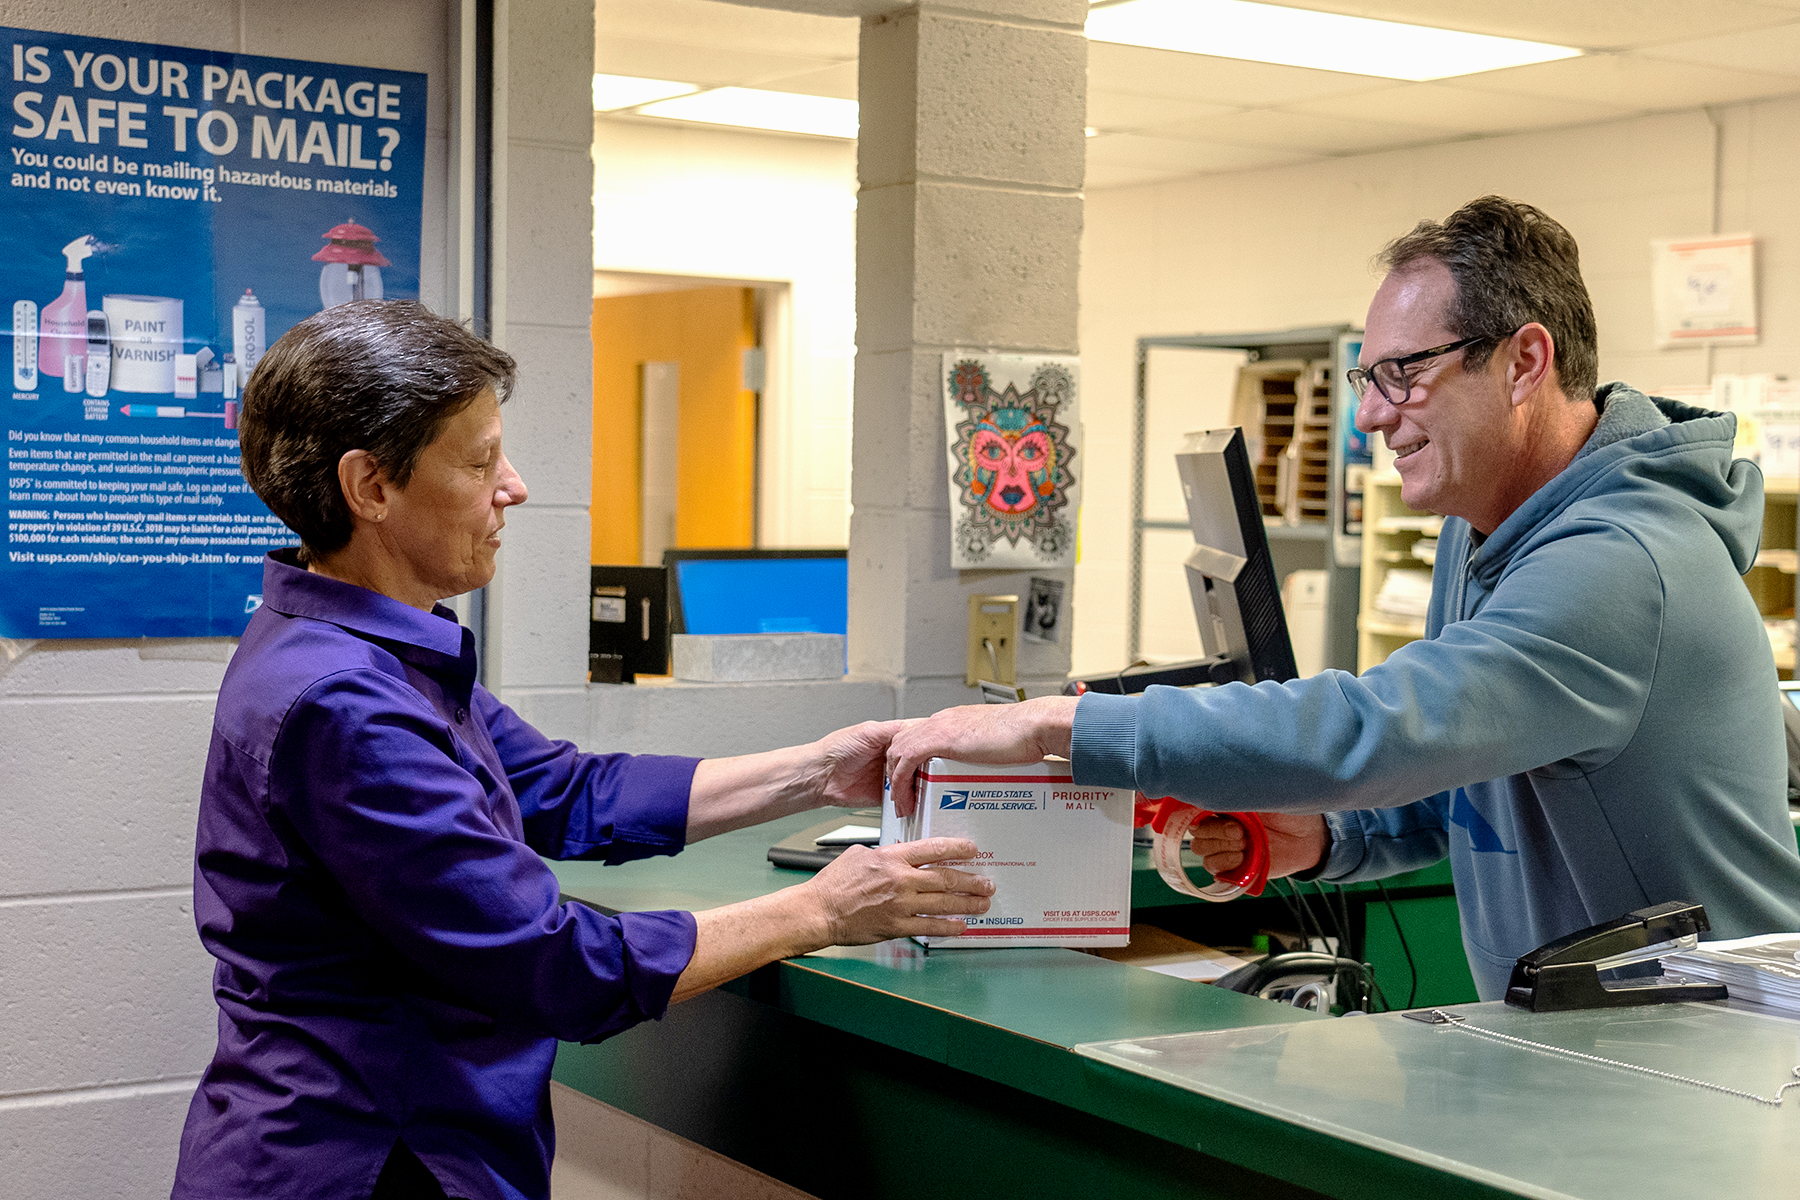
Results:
[1059, 855]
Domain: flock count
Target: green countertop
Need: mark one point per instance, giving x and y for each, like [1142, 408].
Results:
[1573, 1126]
[899, 994]
[1306, 1109]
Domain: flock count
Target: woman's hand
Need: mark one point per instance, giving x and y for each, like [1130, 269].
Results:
[1296, 842]
[980, 733]
[842, 768]
[847, 766]
[865, 895]
[870, 895]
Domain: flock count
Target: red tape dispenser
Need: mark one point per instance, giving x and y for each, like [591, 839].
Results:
[1171, 819]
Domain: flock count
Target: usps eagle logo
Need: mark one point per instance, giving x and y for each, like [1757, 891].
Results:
[1011, 457]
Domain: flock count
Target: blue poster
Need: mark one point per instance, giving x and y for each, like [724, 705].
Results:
[168, 213]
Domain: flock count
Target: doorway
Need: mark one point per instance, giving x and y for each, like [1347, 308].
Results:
[677, 374]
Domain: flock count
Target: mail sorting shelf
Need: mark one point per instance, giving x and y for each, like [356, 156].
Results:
[1330, 544]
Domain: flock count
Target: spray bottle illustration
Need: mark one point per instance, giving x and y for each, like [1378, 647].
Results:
[62, 344]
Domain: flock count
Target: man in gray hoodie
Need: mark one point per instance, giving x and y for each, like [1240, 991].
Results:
[1590, 724]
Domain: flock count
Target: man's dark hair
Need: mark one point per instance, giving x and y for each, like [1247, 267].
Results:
[375, 375]
[1512, 265]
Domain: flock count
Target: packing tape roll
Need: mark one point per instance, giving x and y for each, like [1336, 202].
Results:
[1250, 876]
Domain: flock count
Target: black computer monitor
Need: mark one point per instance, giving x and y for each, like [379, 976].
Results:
[1231, 576]
[758, 591]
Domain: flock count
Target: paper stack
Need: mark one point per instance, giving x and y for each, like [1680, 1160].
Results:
[1763, 970]
[1406, 592]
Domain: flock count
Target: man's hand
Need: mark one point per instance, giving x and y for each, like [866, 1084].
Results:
[870, 895]
[979, 733]
[1296, 843]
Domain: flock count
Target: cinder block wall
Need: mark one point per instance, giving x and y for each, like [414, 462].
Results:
[543, 312]
[106, 1014]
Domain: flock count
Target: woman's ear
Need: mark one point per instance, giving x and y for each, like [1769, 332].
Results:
[366, 488]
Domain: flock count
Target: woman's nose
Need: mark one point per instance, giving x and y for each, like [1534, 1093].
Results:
[512, 484]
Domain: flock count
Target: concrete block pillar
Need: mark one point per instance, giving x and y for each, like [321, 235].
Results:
[543, 251]
[968, 228]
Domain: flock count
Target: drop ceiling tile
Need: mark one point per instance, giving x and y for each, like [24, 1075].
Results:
[1201, 77]
[1183, 156]
[837, 81]
[719, 66]
[1631, 81]
[1590, 24]
[711, 24]
[1101, 176]
[1123, 111]
[1456, 110]
[1281, 129]
[1772, 51]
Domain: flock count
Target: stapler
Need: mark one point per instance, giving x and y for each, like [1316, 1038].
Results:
[1565, 974]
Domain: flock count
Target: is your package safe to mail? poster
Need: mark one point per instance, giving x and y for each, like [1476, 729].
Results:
[166, 214]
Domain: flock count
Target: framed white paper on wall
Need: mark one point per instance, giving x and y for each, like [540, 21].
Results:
[1704, 290]
[1009, 421]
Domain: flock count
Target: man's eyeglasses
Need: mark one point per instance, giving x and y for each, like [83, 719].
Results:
[1389, 375]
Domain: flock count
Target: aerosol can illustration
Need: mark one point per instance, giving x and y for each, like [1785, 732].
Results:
[248, 322]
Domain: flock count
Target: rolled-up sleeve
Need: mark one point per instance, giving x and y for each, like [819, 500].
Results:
[414, 829]
[613, 807]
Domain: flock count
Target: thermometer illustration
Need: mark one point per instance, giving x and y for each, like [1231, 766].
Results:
[25, 346]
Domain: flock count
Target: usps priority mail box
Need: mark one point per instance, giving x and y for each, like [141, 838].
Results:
[1059, 855]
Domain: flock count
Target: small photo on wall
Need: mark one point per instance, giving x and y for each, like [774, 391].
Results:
[1043, 619]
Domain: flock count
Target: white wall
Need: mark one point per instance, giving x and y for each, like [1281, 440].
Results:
[1292, 246]
[689, 200]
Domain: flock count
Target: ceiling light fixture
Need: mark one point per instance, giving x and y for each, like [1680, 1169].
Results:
[612, 92]
[1298, 37]
[754, 108]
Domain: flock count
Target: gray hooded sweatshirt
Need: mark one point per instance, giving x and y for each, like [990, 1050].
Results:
[1591, 718]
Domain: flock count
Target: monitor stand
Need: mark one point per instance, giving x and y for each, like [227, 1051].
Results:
[1215, 669]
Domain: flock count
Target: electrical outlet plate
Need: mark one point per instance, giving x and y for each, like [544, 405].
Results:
[993, 621]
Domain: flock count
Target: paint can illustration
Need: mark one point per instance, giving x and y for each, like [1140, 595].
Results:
[146, 337]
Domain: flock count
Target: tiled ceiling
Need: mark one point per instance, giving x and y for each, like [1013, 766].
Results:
[1160, 114]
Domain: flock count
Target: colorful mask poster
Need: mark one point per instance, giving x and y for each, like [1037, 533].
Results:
[1009, 419]
[165, 214]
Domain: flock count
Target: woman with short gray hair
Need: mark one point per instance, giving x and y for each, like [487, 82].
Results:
[395, 963]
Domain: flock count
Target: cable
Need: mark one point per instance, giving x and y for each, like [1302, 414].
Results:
[1344, 908]
[1300, 898]
[1376, 987]
[1338, 926]
[1364, 977]
[1412, 992]
[1286, 895]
